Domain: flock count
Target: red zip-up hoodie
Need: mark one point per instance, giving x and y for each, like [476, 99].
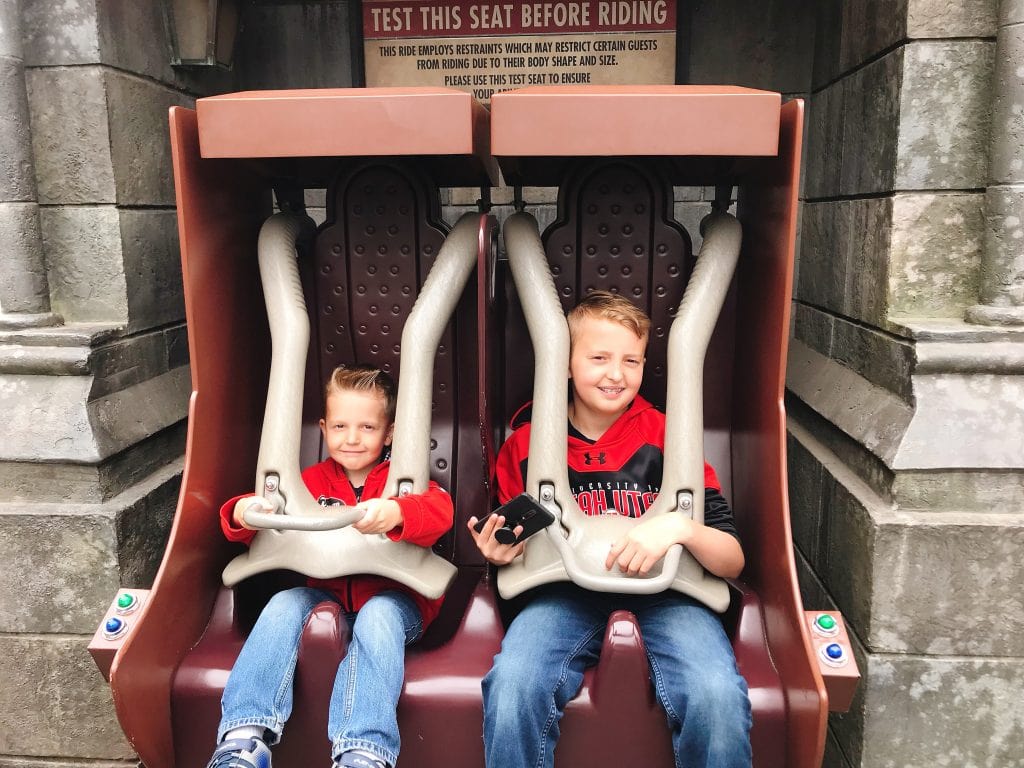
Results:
[427, 516]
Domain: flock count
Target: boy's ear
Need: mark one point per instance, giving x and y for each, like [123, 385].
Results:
[390, 434]
[323, 427]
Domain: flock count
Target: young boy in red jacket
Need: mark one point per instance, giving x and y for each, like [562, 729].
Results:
[384, 616]
[615, 455]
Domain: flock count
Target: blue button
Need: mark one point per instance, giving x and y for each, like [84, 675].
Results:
[835, 651]
[114, 625]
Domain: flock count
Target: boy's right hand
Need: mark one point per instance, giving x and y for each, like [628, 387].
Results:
[493, 550]
[245, 503]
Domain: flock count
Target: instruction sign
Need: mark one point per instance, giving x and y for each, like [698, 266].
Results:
[485, 48]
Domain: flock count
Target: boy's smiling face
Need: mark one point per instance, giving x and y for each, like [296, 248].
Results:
[356, 430]
[606, 366]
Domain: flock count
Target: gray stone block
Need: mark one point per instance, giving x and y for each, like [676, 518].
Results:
[146, 50]
[944, 115]
[17, 177]
[54, 418]
[143, 520]
[828, 31]
[805, 499]
[871, 115]
[690, 215]
[318, 57]
[60, 569]
[929, 572]
[825, 149]
[965, 421]
[872, 420]
[936, 253]
[926, 712]
[132, 360]
[46, 418]
[316, 198]
[22, 270]
[1002, 278]
[870, 27]
[10, 31]
[65, 561]
[688, 194]
[38, 483]
[176, 343]
[848, 570]
[140, 140]
[152, 268]
[951, 491]
[812, 593]
[834, 755]
[776, 37]
[871, 225]
[1011, 12]
[881, 359]
[60, 33]
[908, 582]
[825, 241]
[1007, 154]
[940, 18]
[70, 135]
[813, 327]
[53, 701]
[86, 264]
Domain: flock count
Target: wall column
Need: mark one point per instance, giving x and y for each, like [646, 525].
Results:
[1002, 267]
[24, 291]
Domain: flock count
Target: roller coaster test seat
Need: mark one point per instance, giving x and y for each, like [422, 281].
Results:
[614, 153]
[383, 257]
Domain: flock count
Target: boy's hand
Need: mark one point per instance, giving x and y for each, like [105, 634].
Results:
[243, 504]
[381, 516]
[648, 541]
[494, 551]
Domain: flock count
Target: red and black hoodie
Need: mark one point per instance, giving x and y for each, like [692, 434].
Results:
[428, 516]
[619, 473]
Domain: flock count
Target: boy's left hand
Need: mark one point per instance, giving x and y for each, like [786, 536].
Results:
[381, 516]
[648, 541]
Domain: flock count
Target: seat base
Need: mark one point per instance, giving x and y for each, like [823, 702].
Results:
[440, 713]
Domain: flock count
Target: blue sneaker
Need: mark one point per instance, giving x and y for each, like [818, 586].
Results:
[240, 753]
[360, 759]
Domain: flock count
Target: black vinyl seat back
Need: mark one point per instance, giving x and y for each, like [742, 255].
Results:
[370, 257]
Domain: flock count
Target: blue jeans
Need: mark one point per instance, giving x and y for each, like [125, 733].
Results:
[367, 685]
[559, 633]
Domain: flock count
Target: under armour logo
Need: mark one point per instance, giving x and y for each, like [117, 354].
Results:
[588, 459]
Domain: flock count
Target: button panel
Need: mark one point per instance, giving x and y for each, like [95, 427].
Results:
[121, 617]
[834, 655]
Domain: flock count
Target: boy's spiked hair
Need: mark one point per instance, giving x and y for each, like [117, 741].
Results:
[605, 305]
[364, 378]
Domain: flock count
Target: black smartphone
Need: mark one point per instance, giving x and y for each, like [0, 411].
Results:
[523, 510]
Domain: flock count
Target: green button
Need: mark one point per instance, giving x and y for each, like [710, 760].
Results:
[125, 600]
[826, 622]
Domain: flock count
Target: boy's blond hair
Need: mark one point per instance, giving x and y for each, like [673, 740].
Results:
[364, 378]
[605, 305]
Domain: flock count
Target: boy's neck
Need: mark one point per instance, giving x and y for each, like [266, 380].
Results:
[590, 424]
[358, 479]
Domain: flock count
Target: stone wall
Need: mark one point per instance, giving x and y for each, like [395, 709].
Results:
[95, 397]
[906, 446]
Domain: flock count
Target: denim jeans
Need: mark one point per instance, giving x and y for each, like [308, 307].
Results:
[559, 633]
[367, 685]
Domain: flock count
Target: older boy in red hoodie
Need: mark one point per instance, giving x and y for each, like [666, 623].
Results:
[615, 455]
